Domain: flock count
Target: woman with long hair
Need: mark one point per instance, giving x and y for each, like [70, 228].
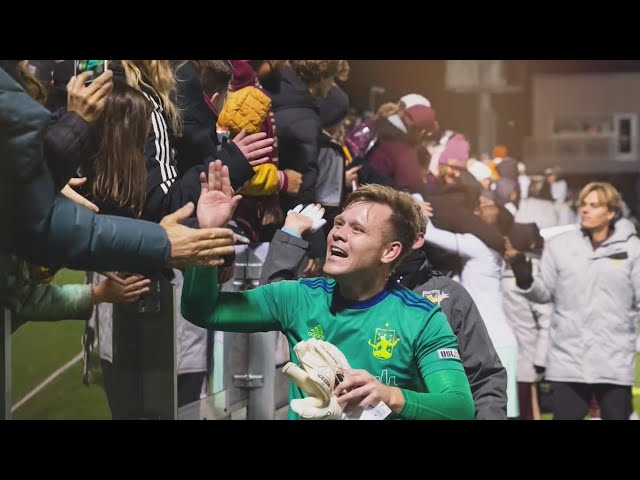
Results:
[118, 171]
[134, 173]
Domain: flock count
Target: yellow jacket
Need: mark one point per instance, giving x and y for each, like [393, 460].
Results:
[264, 183]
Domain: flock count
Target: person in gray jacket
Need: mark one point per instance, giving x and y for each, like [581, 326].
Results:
[593, 277]
[487, 377]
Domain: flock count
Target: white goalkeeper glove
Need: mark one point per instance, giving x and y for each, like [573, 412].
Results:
[322, 366]
[314, 212]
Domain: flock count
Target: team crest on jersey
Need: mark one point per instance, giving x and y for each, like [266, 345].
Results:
[383, 343]
[435, 296]
[316, 332]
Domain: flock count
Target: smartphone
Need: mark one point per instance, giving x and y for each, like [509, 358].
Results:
[98, 67]
[150, 302]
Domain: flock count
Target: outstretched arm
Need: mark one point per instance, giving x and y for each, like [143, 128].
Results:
[262, 309]
[288, 249]
[464, 245]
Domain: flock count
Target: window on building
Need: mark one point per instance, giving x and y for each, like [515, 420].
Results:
[583, 125]
[626, 130]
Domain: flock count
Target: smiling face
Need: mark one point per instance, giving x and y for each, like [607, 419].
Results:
[358, 245]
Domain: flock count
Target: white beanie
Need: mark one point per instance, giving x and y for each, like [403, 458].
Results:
[413, 99]
[479, 170]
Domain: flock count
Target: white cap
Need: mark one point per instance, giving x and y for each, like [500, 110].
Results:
[413, 99]
[479, 170]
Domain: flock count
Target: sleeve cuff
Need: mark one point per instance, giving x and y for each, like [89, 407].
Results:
[284, 180]
[284, 237]
[291, 232]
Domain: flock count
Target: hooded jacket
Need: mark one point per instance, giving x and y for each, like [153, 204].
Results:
[394, 156]
[596, 295]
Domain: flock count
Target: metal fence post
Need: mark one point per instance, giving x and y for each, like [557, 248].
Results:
[259, 379]
[144, 356]
[262, 360]
[5, 364]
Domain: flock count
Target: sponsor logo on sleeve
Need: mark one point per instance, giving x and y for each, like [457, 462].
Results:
[448, 353]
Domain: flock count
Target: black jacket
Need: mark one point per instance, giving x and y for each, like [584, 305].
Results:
[168, 187]
[487, 377]
[198, 144]
[299, 129]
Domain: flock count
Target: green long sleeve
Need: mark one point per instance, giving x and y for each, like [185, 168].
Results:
[205, 306]
[448, 398]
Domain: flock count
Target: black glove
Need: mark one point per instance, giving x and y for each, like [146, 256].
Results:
[521, 267]
[540, 371]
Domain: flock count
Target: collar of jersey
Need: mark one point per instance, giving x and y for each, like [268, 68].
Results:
[362, 304]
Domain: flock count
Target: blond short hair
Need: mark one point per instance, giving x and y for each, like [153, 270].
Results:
[406, 221]
[607, 195]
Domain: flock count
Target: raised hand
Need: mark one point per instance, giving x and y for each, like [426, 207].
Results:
[88, 100]
[254, 147]
[195, 246]
[427, 209]
[217, 202]
[305, 220]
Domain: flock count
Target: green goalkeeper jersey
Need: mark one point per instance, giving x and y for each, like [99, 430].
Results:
[397, 336]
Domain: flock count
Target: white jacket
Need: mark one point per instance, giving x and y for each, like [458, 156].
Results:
[592, 331]
[481, 277]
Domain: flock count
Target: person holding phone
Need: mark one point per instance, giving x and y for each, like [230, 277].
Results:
[47, 228]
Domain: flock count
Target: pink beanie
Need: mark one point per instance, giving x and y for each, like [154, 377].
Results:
[456, 152]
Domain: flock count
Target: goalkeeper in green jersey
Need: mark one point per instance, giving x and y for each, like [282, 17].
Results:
[399, 347]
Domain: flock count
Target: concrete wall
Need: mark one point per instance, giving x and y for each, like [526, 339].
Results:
[582, 93]
[554, 94]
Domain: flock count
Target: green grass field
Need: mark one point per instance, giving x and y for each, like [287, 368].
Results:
[38, 349]
[67, 398]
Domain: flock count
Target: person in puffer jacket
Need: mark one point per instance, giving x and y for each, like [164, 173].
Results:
[47, 228]
[592, 275]
[302, 83]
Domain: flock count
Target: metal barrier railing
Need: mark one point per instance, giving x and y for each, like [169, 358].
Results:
[145, 364]
[144, 356]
